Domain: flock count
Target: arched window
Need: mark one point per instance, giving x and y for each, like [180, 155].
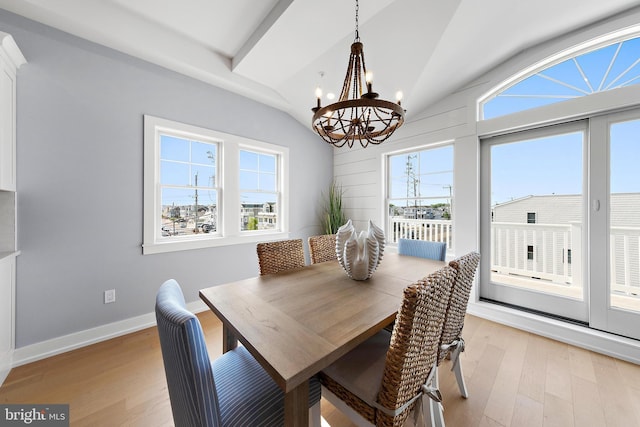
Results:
[580, 73]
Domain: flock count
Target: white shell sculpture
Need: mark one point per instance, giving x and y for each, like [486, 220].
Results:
[360, 254]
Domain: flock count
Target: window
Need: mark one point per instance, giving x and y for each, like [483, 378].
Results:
[531, 217]
[589, 70]
[188, 192]
[529, 252]
[419, 194]
[258, 190]
[205, 188]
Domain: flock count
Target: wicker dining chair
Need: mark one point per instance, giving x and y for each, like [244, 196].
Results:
[451, 342]
[322, 248]
[381, 381]
[280, 255]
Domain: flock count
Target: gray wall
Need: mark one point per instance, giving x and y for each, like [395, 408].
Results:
[80, 158]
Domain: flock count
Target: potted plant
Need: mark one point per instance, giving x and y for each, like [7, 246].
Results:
[333, 215]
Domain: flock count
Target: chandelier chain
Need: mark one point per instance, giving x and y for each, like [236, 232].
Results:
[357, 10]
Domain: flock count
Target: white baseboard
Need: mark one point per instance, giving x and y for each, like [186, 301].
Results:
[580, 336]
[44, 349]
[5, 365]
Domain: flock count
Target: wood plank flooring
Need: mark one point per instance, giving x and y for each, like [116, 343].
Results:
[514, 379]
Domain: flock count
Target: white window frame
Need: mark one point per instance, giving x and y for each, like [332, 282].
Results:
[594, 44]
[385, 176]
[228, 223]
[254, 149]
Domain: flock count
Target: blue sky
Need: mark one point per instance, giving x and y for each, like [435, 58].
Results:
[624, 157]
[550, 165]
[553, 165]
[182, 160]
[433, 171]
[603, 69]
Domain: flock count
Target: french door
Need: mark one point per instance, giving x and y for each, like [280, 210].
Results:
[533, 220]
[615, 224]
[560, 213]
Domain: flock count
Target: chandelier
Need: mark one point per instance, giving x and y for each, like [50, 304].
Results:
[357, 116]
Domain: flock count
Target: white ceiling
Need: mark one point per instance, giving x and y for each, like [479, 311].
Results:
[274, 50]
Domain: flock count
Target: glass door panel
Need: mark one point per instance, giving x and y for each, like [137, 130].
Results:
[614, 232]
[624, 215]
[533, 224]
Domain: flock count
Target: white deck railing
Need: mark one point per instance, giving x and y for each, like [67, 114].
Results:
[557, 257]
[435, 230]
[534, 250]
[556, 250]
[625, 260]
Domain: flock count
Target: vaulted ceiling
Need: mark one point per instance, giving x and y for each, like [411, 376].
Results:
[274, 50]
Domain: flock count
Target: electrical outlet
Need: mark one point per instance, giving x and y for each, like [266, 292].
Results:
[109, 296]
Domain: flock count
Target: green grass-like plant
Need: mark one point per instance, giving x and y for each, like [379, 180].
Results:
[333, 216]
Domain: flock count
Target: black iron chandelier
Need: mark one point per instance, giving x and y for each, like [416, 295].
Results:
[357, 115]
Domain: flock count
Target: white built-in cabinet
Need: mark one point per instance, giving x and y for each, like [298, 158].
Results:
[10, 60]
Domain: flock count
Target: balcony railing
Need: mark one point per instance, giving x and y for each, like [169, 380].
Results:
[550, 252]
[553, 253]
[625, 260]
[435, 230]
[541, 251]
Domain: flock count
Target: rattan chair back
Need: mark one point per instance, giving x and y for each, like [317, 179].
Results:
[465, 267]
[322, 248]
[280, 255]
[414, 343]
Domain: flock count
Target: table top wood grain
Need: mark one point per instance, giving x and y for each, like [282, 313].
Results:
[296, 323]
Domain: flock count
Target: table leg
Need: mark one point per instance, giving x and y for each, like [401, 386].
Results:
[296, 406]
[229, 341]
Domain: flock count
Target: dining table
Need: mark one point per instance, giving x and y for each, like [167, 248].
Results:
[297, 322]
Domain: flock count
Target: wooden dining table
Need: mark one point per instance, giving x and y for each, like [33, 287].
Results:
[298, 322]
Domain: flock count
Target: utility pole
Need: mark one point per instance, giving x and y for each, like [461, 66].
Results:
[195, 230]
[412, 181]
[450, 200]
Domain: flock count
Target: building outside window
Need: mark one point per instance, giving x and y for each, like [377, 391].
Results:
[530, 252]
[531, 217]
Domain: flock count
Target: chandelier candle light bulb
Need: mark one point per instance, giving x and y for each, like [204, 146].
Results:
[369, 79]
[319, 95]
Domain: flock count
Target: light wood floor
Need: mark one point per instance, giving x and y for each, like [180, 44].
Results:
[514, 379]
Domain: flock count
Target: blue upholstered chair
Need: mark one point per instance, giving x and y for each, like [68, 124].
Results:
[234, 390]
[422, 249]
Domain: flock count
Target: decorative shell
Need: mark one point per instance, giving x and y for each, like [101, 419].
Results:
[359, 254]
